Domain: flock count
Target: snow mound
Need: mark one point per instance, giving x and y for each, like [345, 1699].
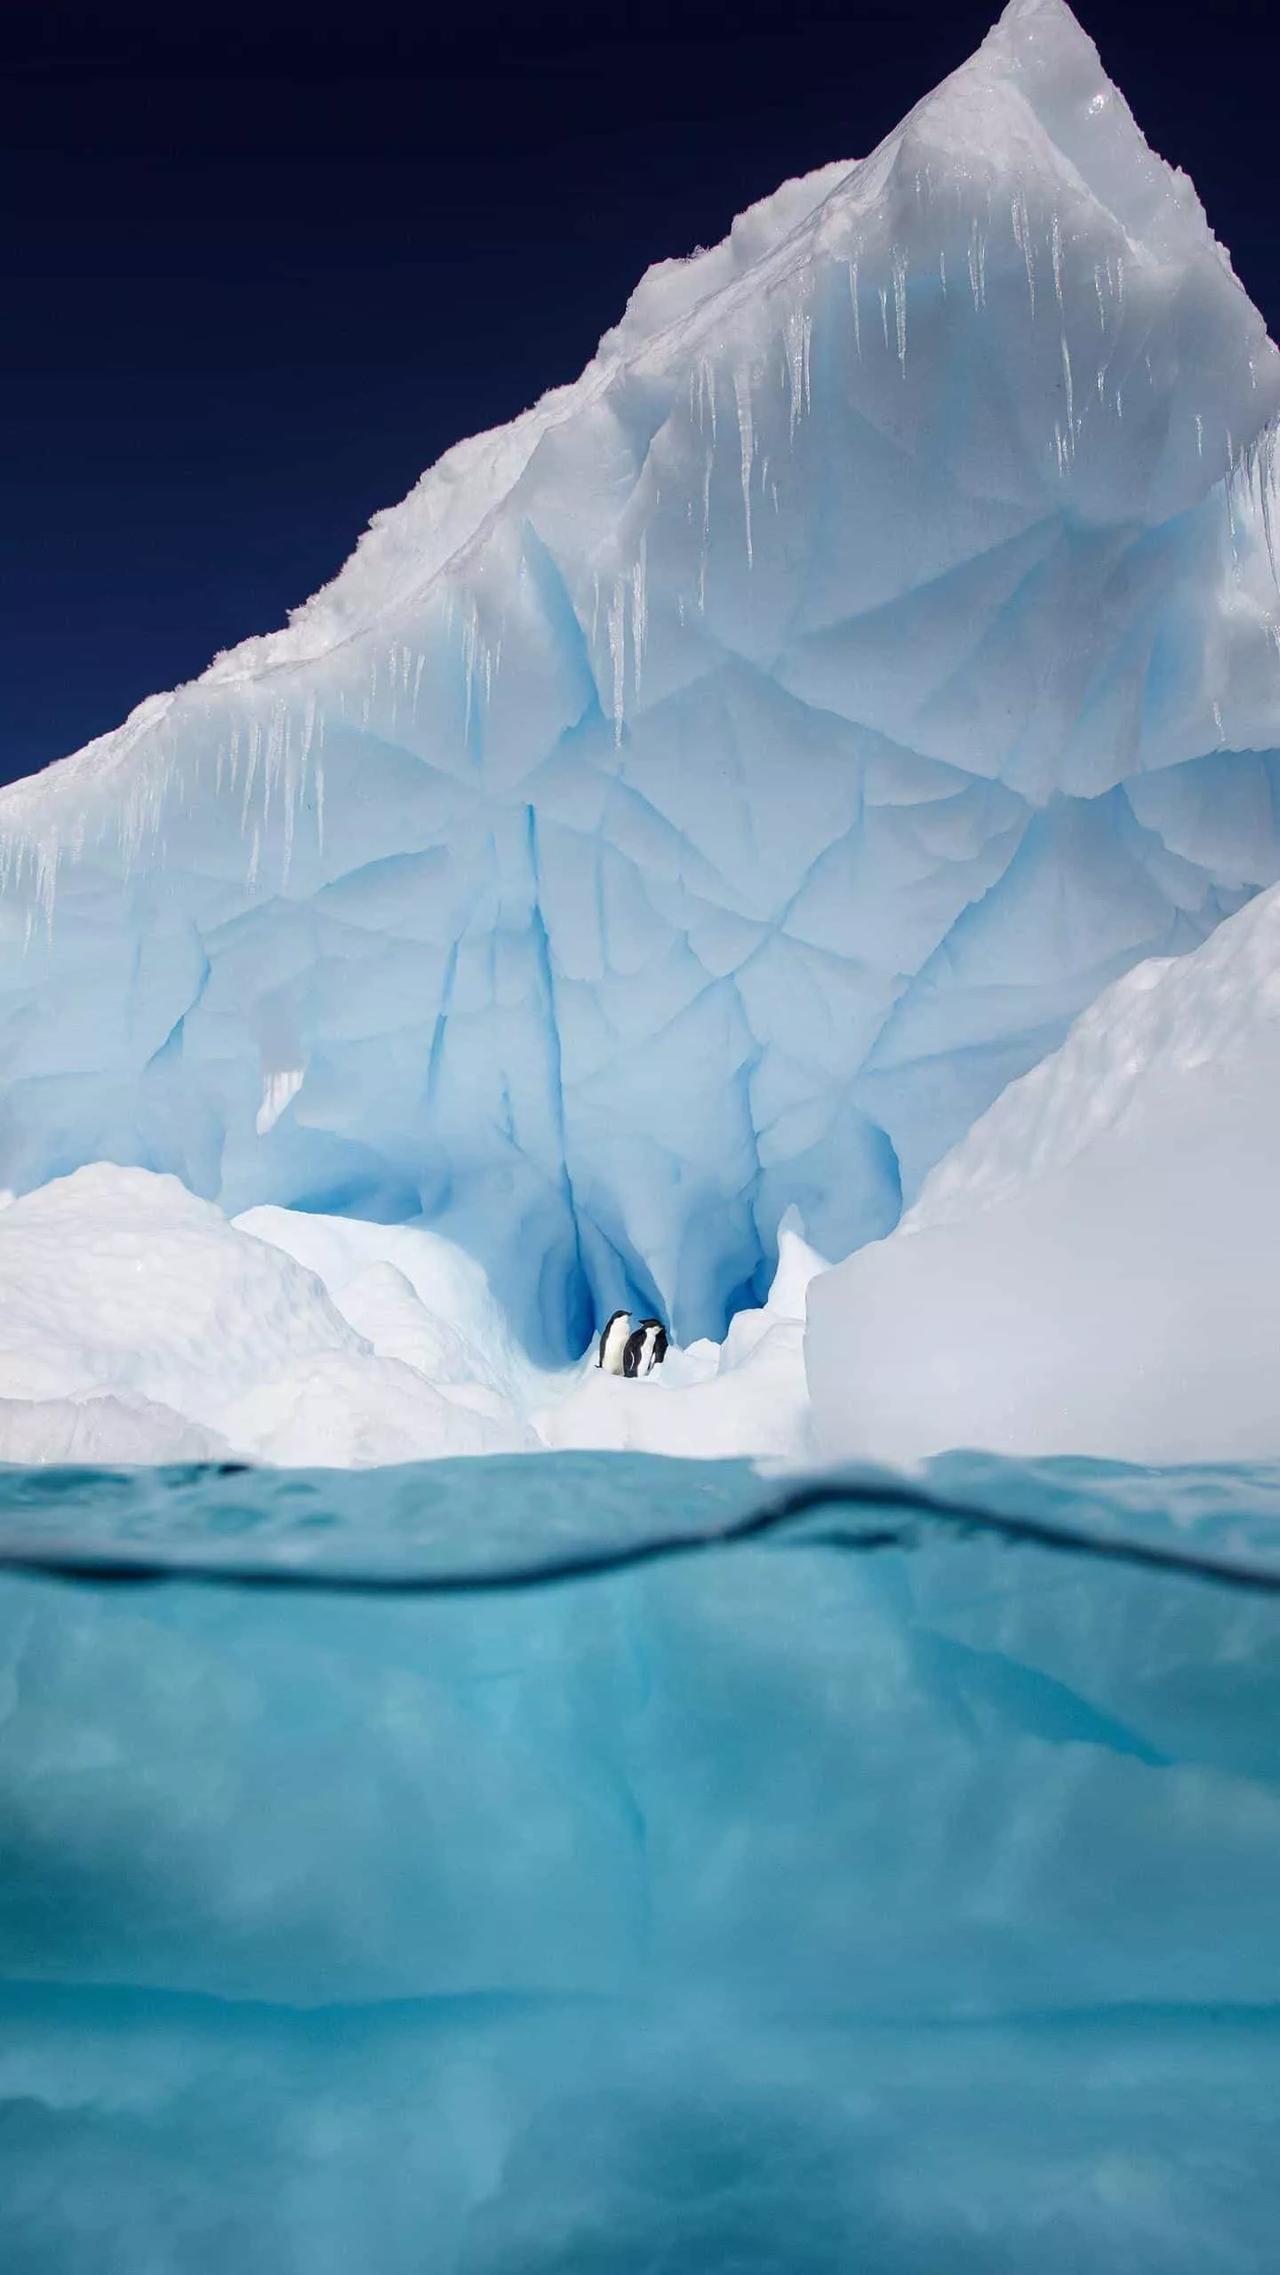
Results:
[111, 1431]
[140, 1326]
[704, 795]
[1093, 1269]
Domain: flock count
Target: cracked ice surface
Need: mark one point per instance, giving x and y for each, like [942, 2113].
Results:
[705, 794]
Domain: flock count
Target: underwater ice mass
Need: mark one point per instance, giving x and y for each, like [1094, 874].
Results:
[701, 798]
[871, 1892]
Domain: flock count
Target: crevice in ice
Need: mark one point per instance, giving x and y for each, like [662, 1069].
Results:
[579, 1317]
[278, 1091]
[439, 1030]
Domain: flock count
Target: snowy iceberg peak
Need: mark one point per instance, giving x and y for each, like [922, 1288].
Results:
[1022, 181]
[701, 796]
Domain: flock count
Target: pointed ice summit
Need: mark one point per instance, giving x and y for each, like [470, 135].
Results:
[703, 795]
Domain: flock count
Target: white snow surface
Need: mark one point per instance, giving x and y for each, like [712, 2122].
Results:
[1093, 1270]
[141, 1326]
[704, 795]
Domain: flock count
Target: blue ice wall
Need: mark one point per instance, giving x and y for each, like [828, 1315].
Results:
[702, 796]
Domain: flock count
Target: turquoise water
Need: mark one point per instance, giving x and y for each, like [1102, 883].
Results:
[600, 1863]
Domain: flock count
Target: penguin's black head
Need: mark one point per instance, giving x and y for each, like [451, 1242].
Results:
[615, 1315]
[651, 1323]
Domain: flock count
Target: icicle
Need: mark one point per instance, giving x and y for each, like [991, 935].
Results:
[807, 370]
[250, 774]
[1055, 253]
[883, 291]
[704, 548]
[1022, 238]
[639, 612]
[618, 655]
[746, 439]
[271, 770]
[472, 653]
[977, 262]
[853, 295]
[1266, 487]
[290, 815]
[1070, 394]
[799, 328]
[900, 304]
[706, 379]
[1199, 436]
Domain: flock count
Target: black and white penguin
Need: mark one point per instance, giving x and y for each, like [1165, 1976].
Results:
[613, 1343]
[645, 1349]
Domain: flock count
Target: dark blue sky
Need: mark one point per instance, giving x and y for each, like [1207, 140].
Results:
[264, 261]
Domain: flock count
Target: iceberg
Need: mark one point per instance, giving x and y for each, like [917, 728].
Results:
[1092, 1269]
[701, 797]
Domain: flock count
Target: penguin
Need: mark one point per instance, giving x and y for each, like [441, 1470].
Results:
[613, 1342]
[645, 1349]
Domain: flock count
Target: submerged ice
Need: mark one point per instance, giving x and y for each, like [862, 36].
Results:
[702, 796]
[870, 1895]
